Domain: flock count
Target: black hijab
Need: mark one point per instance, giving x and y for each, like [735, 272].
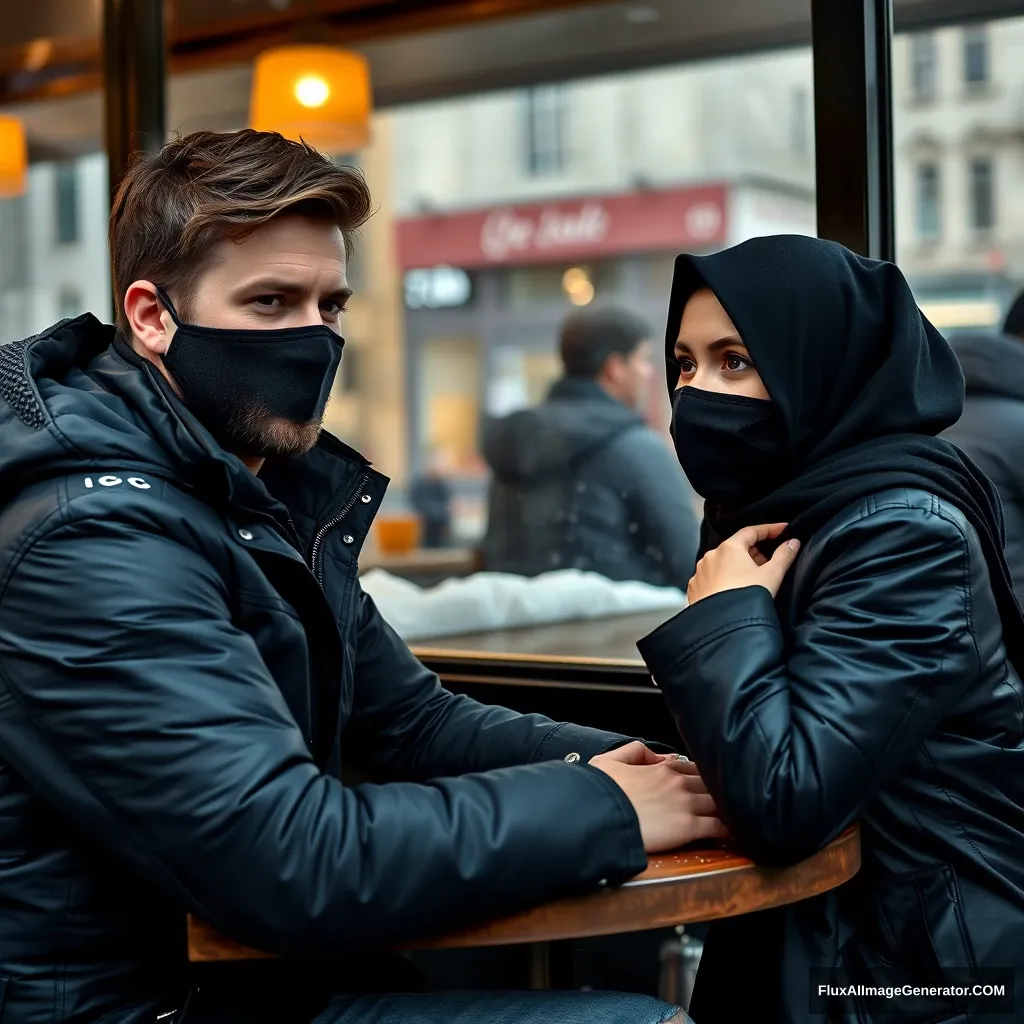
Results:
[863, 383]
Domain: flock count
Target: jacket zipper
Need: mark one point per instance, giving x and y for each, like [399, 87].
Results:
[331, 524]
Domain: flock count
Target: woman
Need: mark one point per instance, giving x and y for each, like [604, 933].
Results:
[852, 650]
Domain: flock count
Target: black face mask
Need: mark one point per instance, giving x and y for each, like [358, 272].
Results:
[232, 380]
[731, 448]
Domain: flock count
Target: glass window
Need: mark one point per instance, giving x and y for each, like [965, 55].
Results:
[69, 303]
[976, 70]
[928, 216]
[923, 66]
[800, 121]
[66, 185]
[972, 266]
[575, 285]
[982, 197]
[545, 111]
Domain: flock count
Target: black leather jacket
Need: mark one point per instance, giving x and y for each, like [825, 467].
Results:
[875, 689]
[185, 658]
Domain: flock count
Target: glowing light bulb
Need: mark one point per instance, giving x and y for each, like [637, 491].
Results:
[312, 91]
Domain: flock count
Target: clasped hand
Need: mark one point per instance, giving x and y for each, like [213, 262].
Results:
[671, 801]
[738, 562]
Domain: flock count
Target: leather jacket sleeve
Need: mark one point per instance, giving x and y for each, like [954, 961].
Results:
[405, 725]
[153, 726]
[795, 740]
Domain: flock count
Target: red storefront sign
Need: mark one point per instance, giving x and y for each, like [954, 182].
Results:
[575, 229]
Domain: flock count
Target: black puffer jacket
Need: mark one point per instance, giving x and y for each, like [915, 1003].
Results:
[581, 482]
[875, 689]
[991, 429]
[185, 658]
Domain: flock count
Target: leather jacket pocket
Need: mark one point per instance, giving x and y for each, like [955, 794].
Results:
[922, 913]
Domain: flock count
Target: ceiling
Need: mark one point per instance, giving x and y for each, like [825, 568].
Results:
[417, 49]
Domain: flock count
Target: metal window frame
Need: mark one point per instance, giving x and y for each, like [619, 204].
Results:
[852, 47]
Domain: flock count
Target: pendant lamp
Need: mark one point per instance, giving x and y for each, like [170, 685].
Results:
[13, 157]
[319, 94]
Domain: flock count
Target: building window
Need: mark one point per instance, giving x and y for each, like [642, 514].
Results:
[982, 195]
[923, 67]
[67, 203]
[545, 111]
[928, 220]
[69, 303]
[799, 135]
[976, 68]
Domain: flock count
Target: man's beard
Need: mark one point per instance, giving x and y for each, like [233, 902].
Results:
[255, 434]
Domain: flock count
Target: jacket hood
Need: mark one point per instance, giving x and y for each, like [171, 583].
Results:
[77, 398]
[577, 418]
[63, 406]
[993, 364]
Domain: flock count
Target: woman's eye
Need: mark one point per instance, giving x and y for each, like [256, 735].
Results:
[736, 362]
[686, 364]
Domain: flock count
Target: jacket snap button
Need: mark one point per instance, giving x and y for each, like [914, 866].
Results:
[572, 758]
[366, 499]
[245, 534]
[348, 539]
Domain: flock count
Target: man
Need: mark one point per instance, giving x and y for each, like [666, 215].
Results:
[431, 496]
[186, 657]
[991, 428]
[580, 481]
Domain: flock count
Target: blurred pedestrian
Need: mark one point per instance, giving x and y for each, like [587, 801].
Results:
[581, 481]
[991, 429]
[431, 498]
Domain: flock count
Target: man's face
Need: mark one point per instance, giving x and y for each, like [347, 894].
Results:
[288, 273]
[632, 376]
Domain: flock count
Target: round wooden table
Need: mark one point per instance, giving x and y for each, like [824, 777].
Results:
[677, 888]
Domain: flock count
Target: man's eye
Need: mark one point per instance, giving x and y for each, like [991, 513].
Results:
[267, 300]
[332, 308]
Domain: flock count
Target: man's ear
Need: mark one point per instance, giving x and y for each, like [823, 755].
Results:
[151, 325]
[613, 369]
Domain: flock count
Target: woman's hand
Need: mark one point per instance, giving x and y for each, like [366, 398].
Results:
[738, 562]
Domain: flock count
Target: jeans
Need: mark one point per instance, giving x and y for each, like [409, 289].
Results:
[554, 1007]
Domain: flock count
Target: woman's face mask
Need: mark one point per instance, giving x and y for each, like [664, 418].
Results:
[731, 447]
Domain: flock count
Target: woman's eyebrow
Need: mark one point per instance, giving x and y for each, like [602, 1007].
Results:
[715, 346]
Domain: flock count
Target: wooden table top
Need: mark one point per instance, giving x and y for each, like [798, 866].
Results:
[677, 888]
[608, 641]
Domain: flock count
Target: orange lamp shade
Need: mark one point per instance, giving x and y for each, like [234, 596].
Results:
[317, 94]
[13, 157]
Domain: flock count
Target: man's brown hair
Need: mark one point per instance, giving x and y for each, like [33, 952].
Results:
[172, 208]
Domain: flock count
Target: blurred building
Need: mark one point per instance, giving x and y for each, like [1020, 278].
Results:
[959, 125]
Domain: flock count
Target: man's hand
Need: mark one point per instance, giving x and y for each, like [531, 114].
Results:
[669, 797]
[634, 752]
[738, 563]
